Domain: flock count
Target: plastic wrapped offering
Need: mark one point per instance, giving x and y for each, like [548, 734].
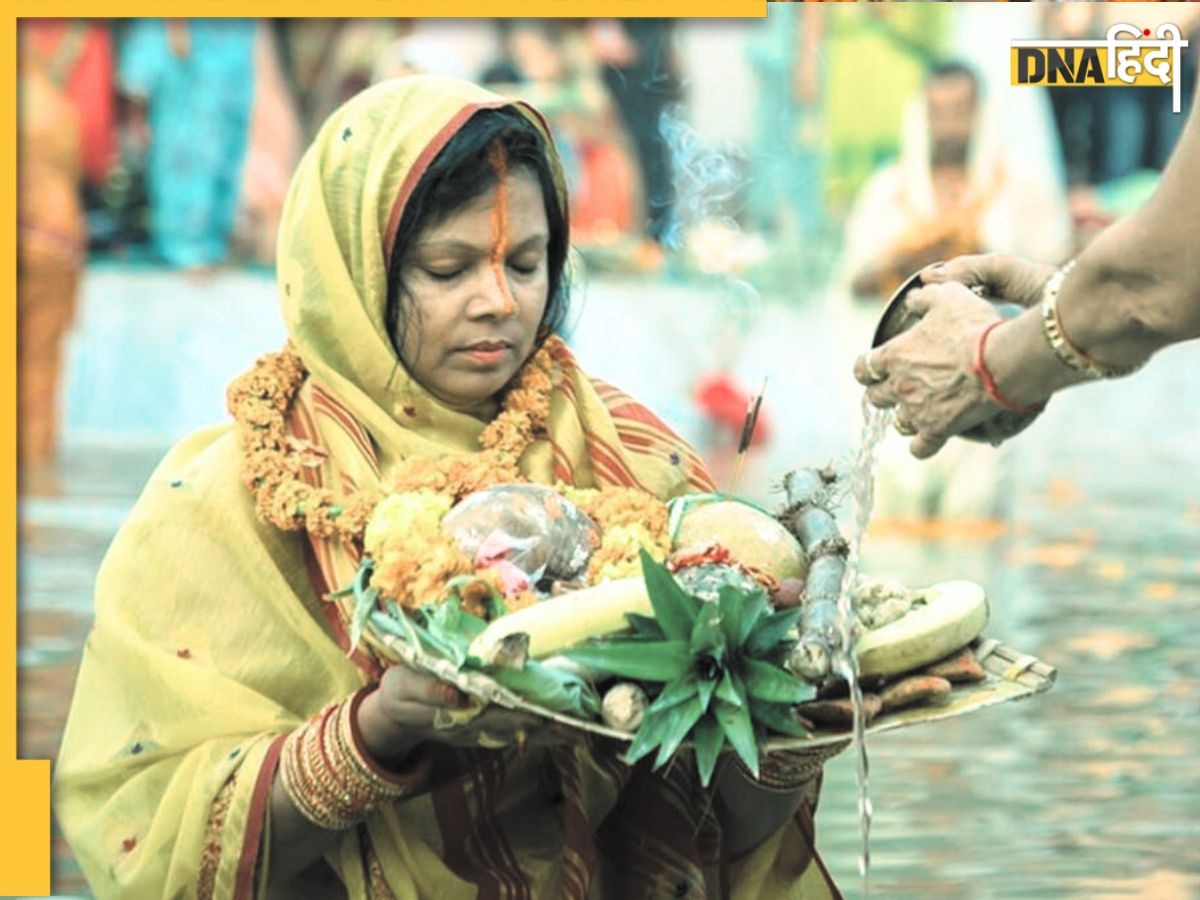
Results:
[529, 526]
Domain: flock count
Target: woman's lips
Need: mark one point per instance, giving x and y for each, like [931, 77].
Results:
[488, 353]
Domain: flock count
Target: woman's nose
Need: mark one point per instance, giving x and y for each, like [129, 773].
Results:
[496, 298]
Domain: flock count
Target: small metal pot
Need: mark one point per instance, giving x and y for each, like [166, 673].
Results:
[898, 318]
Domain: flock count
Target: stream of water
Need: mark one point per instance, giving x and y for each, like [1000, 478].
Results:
[861, 478]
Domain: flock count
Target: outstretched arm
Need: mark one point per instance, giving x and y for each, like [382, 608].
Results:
[1134, 290]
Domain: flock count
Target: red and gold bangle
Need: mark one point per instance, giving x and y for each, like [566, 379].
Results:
[979, 367]
[329, 776]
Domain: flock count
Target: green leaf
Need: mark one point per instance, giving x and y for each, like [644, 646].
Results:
[682, 718]
[780, 717]
[730, 691]
[365, 603]
[389, 625]
[555, 689]
[674, 608]
[766, 682]
[397, 624]
[365, 599]
[755, 607]
[708, 637]
[399, 615]
[706, 689]
[708, 737]
[770, 631]
[739, 731]
[648, 736]
[452, 619]
[643, 660]
[730, 601]
[675, 692]
[645, 625]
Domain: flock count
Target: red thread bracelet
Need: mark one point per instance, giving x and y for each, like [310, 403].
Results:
[989, 383]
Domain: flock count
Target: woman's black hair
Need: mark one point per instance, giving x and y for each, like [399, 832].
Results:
[462, 171]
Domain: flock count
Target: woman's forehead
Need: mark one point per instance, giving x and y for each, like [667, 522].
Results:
[474, 224]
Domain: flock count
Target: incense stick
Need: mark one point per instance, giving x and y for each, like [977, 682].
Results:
[748, 426]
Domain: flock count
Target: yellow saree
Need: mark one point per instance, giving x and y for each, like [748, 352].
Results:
[211, 641]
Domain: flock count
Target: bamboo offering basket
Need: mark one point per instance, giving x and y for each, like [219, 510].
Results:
[1011, 675]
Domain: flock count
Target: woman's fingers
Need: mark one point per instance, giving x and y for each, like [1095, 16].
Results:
[402, 684]
[1001, 276]
[868, 369]
[925, 444]
[924, 300]
[882, 395]
[981, 269]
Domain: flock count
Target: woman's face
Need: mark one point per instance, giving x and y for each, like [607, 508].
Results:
[475, 288]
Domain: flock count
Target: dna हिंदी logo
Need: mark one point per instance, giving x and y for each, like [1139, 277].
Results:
[1126, 56]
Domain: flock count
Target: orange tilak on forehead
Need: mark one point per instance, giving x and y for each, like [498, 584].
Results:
[499, 161]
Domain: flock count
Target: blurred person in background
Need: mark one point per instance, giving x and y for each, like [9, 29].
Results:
[328, 61]
[953, 191]
[786, 196]
[642, 74]
[551, 64]
[273, 149]
[64, 137]
[190, 85]
[957, 188]
[888, 46]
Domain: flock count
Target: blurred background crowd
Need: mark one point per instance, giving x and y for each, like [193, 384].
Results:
[745, 195]
[837, 146]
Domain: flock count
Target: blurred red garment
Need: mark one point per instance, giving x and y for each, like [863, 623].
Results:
[725, 402]
[77, 56]
[50, 247]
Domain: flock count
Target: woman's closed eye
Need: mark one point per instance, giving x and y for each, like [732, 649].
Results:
[525, 267]
[443, 273]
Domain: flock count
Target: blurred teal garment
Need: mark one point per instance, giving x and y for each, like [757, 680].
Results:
[199, 99]
[786, 193]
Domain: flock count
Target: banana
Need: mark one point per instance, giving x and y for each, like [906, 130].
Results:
[953, 615]
[567, 619]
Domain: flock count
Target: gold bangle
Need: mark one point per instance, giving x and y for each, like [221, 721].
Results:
[1067, 353]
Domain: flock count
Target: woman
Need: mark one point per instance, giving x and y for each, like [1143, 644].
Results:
[221, 735]
[190, 86]
[51, 235]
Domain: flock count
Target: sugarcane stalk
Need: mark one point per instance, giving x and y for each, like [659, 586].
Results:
[809, 517]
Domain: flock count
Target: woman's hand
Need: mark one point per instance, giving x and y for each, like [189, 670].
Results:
[412, 707]
[1000, 276]
[926, 372]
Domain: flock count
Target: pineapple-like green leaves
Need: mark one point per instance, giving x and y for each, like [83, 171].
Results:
[719, 664]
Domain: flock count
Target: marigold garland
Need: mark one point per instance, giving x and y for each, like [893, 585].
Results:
[401, 531]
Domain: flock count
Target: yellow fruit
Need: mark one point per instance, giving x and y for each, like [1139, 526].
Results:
[567, 619]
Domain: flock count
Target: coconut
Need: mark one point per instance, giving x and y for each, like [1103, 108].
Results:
[752, 537]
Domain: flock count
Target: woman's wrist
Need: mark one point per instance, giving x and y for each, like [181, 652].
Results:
[326, 771]
[1023, 366]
